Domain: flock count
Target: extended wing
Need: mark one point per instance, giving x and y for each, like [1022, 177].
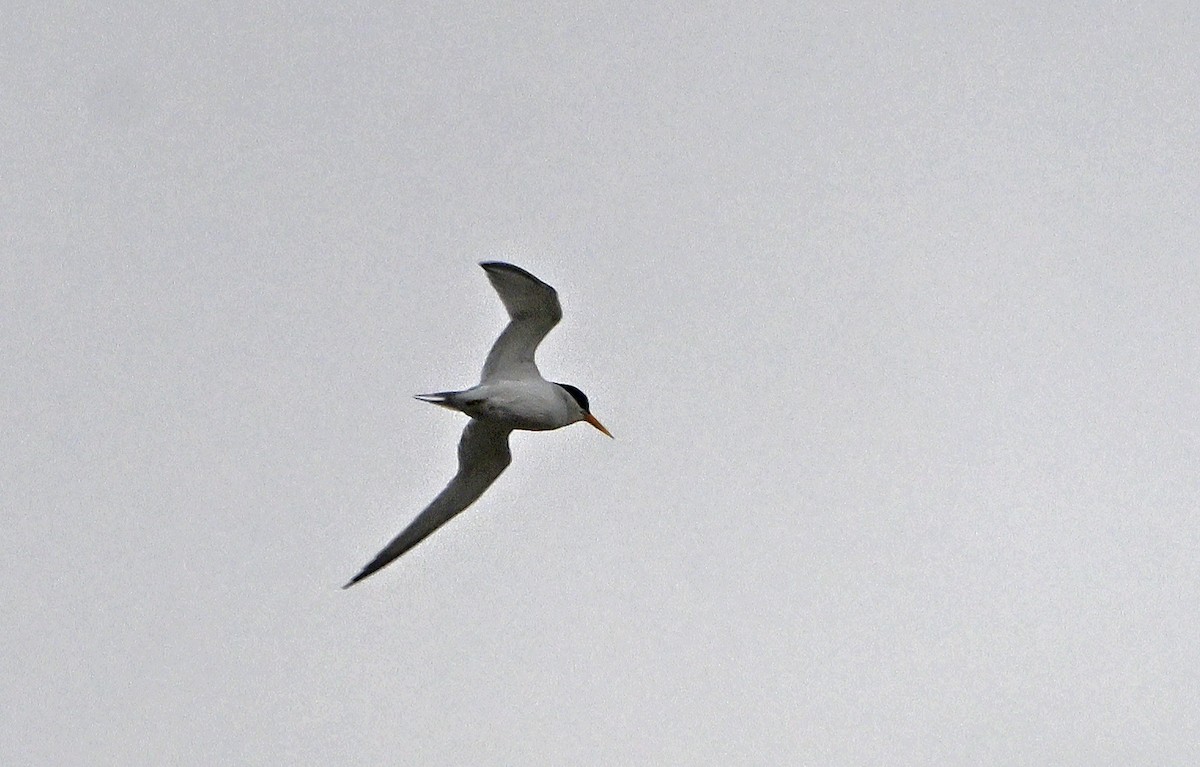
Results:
[533, 310]
[482, 455]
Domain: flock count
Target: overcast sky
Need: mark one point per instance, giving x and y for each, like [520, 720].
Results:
[894, 315]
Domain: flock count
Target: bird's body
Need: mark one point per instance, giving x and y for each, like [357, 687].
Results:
[528, 404]
[510, 395]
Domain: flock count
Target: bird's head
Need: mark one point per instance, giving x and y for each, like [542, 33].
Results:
[581, 401]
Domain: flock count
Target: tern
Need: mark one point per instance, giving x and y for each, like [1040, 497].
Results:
[511, 395]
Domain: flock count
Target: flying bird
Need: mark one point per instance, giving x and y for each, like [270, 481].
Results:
[511, 395]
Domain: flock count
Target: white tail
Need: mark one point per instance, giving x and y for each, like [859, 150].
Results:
[443, 398]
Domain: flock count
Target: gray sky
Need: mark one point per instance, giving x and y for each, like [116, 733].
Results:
[893, 313]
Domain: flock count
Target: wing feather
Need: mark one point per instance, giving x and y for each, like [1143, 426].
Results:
[483, 455]
[533, 309]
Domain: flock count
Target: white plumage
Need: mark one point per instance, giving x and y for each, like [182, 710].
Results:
[511, 394]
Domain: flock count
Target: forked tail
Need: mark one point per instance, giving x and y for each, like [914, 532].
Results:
[443, 398]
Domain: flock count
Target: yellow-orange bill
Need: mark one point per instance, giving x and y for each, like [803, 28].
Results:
[592, 420]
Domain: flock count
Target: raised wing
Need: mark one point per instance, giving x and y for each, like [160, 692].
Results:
[482, 455]
[533, 309]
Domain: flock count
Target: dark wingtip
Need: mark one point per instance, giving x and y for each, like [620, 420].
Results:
[490, 265]
[506, 267]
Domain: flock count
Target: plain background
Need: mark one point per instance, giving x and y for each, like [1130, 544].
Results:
[893, 313]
